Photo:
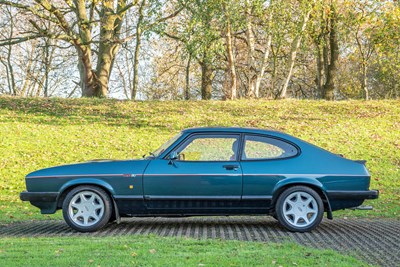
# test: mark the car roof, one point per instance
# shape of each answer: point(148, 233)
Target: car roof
point(233, 130)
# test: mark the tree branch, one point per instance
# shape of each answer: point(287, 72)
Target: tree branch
point(62, 22)
point(18, 40)
point(124, 8)
point(165, 18)
point(30, 9)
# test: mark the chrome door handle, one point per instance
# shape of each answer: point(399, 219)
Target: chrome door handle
point(231, 167)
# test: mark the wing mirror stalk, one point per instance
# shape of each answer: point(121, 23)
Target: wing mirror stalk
point(173, 156)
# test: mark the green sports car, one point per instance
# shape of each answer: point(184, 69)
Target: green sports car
point(207, 171)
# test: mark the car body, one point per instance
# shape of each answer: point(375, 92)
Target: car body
point(207, 171)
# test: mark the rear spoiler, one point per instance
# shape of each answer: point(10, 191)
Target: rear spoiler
point(363, 162)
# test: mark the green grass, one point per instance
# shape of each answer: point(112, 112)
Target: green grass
point(157, 251)
point(38, 133)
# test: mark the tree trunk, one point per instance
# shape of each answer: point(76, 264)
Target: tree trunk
point(187, 79)
point(48, 59)
point(263, 66)
point(104, 67)
point(86, 73)
point(136, 68)
point(319, 80)
point(231, 61)
point(9, 66)
point(364, 56)
point(10, 76)
point(274, 73)
point(107, 48)
point(27, 71)
point(251, 69)
point(206, 80)
point(329, 87)
point(264, 62)
point(137, 51)
point(293, 53)
point(46, 70)
point(364, 83)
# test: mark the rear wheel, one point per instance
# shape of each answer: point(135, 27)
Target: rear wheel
point(299, 209)
point(87, 208)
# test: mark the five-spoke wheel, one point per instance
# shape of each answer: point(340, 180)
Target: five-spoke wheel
point(299, 209)
point(87, 208)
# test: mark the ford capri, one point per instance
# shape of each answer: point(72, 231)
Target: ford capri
point(206, 172)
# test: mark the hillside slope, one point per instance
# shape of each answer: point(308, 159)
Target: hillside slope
point(38, 133)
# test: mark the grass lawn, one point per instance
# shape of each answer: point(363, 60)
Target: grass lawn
point(157, 251)
point(38, 133)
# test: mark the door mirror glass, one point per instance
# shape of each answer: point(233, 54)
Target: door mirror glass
point(173, 155)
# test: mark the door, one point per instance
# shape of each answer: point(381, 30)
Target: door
point(206, 175)
point(264, 161)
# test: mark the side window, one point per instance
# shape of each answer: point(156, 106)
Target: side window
point(260, 147)
point(209, 148)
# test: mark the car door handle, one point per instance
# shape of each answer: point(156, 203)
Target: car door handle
point(231, 167)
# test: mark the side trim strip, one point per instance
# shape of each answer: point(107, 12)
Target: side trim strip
point(151, 197)
point(303, 174)
point(192, 174)
point(128, 175)
point(255, 174)
point(128, 197)
point(256, 197)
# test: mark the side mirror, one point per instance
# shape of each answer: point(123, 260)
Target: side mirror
point(173, 156)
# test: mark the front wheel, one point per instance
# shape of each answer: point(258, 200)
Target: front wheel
point(299, 209)
point(87, 208)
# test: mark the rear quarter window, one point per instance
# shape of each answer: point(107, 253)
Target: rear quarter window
point(262, 147)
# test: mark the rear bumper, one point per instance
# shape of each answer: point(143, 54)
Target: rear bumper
point(352, 195)
point(38, 196)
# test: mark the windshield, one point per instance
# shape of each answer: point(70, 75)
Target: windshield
point(162, 148)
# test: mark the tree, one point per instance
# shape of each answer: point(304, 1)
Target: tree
point(92, 27)
point(10, 77)
point(327, 46)
point(149, 17)
point(307, 9)
point(366, 21)
point(201, 38)
point(232, 90)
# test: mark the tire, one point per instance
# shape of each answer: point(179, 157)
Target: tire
point(299, 209)
point(87, 208)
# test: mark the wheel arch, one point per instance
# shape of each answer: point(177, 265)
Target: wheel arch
point(311, 183)
point(67, 187)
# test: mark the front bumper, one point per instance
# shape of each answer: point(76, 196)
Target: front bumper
point(38, 196)
point(352, 195)
point(45, 201)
